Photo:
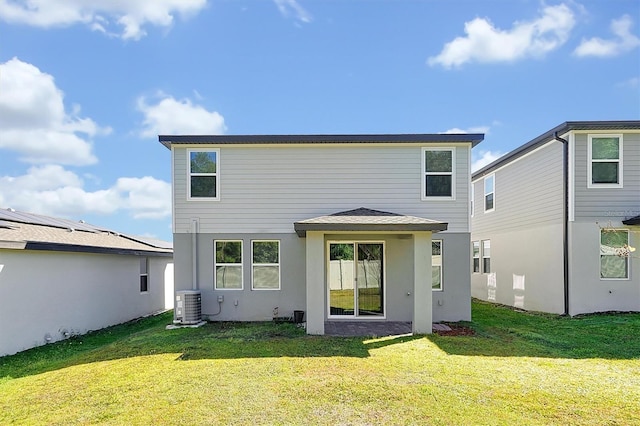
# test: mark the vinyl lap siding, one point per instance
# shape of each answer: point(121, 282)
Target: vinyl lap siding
point(267, 188)
point(614, 203)
point(528, 193)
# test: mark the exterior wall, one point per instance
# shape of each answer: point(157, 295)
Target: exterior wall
point(73, 293)
point(588, 292)
point(268, 188)
point(525, 231)
point(604, 204)
point(451, 304)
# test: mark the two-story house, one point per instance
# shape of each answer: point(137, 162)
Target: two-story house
point(554, 222)
point(342, 227)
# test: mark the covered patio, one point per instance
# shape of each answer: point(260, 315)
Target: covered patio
point(344, 228)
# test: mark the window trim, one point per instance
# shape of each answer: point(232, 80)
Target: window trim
point(216, 264)
point(483, 257)
point(441, 265)
point(423, 177)
point(473, 257)
point(144, 274)
point(216, 174)
point(253, 265)
point(493, 192)
point(628, 277)
point(590, 161)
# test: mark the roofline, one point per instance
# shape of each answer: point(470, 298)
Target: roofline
point(76, 248)
point(301, 228)
point(548, 136)
point(168, 140)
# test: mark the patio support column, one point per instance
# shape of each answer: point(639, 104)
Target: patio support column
point(422, 298)
point(315, 282)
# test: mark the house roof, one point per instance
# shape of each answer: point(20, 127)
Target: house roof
point(417, 138)
point(559, 130)
point(368, 220)
point(28, 231)
point(632, 221)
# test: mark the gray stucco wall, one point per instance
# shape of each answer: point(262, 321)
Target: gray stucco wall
point(451, 304)
point(590, 293)
point(74, 293)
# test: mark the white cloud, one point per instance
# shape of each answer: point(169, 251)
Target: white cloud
point(172, 116)
point(622, 43)
point(479, 159)
point(485, 43)
point(100, 15)
point(477, 129)
point(54, 191)
point(287, 7)
point(34, 122)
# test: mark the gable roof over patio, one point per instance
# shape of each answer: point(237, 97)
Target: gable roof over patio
point(367, 220)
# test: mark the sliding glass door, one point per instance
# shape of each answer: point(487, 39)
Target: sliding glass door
point(356, 276)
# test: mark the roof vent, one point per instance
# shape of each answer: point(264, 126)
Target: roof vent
point(70, 229)
point(11, 210)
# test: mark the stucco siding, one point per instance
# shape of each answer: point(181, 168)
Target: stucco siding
point(72, 293)
point(526, 269)
point(452, 304)
point(264, 189)
point(589, 293)
point(608, 203)
point(528, 193)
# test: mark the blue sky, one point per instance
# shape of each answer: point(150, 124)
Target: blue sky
point(87, 85)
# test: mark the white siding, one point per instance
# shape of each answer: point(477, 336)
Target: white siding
point(612, 203)
point(264, 189)
point(528, 193)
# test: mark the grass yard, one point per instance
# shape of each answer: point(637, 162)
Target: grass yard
point(518, 368)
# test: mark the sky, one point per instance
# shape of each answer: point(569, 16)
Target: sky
point(86, 86)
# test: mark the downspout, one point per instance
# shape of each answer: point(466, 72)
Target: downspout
point(194, 253)
point(565, 212)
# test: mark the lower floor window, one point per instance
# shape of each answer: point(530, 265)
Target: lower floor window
point(486, 256)
point(228, 265)
point(614, 258)
point(436, 265)
point(265, 265)
point(144, 275)
point(476, 256)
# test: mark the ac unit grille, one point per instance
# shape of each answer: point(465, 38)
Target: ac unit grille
point(188, 307)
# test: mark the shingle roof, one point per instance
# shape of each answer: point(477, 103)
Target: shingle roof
point(368, 220)
point(168, 140)
point(550, 135)
point(20, 230)
point(632, 221)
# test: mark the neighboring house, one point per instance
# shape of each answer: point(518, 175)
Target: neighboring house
point(60, 278)
point(552, 218)
point(338, 226)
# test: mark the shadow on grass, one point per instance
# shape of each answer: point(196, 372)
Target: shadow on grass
point(216, 340)
point(499, 332)
point(502, 331)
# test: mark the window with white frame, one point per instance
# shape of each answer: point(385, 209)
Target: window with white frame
point(476, 256)
point(265, 264)
point(436, 265)
point(489, 193)
point(144, 275)
point(614, 259)
point(486, 256)
point(228, 265)
point(605, 161)
point(439, 173)
point(203, 170)
point(473, 194)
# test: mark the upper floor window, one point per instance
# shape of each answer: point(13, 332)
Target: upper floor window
point(439, 173)
point(436, 265)
point(228, 265)
point(473, 195)
point(265, 259)
point(489, 193)
point(605, 161)
point(204, 166)
point(614, 255)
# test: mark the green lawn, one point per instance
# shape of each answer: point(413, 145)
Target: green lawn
point(519, 368)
